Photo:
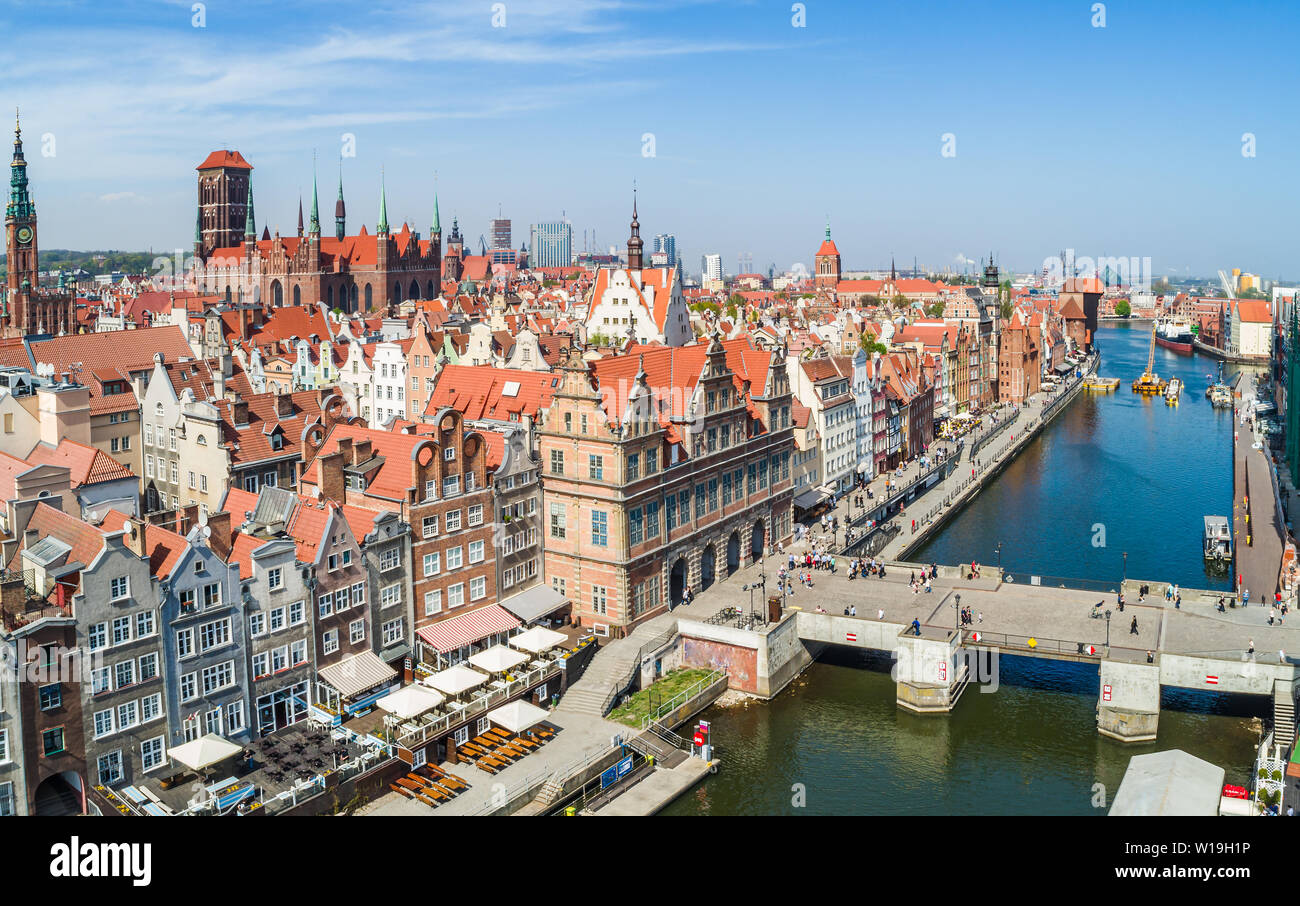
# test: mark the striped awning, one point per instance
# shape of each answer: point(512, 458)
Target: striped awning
point(468, 628)
point(356, 674)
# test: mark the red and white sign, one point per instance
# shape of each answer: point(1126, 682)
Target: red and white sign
point(1091, 649)
point(1211, 680)
point(943, 671)
point(850, 636)
point(974, 636)
point(1105, 693)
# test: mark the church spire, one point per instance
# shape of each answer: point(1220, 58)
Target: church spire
point(382, 228)
point(250, 227)
point(634, 241)
point(828, 227)
point(436, 229)
point(20, 204)
point(300, 213)
point(340, 210)
point(314, 226)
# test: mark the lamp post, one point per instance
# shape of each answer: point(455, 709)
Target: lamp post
point(956, 605)
point(1124, 580)
point(1108, 630)
point(999, 561)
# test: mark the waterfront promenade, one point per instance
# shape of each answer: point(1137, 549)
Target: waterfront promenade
point(1256, 509)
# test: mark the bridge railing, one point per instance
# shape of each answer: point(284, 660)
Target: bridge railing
point(1104, 586)
point(980, 638)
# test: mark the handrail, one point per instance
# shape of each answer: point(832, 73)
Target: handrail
point(634, 668)
point(697, 688)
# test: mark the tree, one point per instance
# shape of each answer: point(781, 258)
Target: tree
point(1007, 309)
point(1123, 309)
point(868, 342)
point(935, 309)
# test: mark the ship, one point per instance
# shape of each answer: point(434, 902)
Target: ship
point(1172, 391)
point(1219, 394)
point(1175, 334)
point(1150, 382)
point(1217, 540)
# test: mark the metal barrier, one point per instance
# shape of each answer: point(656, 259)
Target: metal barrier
point(1106, 586)
point(1095, 650)
point(634, 670)
point(699, 687)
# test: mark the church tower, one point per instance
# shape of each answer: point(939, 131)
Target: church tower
point(223, 200)
point(20, 228)
point(340, 212)
point(634, 241)
point(826, 262)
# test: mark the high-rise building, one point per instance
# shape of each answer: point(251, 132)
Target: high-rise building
point(552, 244)
point(666, 243)
point(501, 233)
point(712, 267)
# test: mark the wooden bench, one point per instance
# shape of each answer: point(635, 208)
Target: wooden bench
point(401, 789)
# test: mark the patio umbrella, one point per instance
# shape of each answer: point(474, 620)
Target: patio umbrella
point(516, 716)
point(204, 752)
point(536, 640)
point(410, 701)
point(497, 659)
point(455, 680)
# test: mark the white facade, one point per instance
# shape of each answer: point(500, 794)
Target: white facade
point(389, 378)
point(624, 300)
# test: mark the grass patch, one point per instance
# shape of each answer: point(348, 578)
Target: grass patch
point(637, 708)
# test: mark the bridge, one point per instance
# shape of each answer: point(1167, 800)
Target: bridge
point(1194, 647)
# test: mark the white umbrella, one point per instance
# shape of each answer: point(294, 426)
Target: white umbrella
point(455, 680)
point(410, 701)
point(497, 659)
point(536, 640)
point(204, 752)
point(516, 716)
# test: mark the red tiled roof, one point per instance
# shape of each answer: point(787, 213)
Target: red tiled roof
point(85, 540)
point(111, 356)
point(162, 546)
point(224, 159)
point(87, 465)
point(478, 391)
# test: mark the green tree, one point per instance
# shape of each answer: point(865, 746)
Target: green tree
point(1123, 309)
point(935, 309)
point(867, 341)
point(1006, 309)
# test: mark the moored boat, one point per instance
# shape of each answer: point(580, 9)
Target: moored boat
point(1175, 334)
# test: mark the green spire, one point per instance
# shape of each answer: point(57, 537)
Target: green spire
point(20, 204)
point(315, 204)
point(250, 227)
point(828, 228)
point(383, 206)
point(436, 229)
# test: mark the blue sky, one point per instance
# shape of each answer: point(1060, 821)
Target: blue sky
point(1122, 140)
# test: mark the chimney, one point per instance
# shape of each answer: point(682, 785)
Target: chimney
point(134, 537)
point(13, 597)
point(219, 539)
point(239, 411)
point(284, 405)
point(329, 475)
point(361, 450)
point(64, 412)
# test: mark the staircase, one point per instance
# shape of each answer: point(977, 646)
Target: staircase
point(1283, 713)
point(549, 792)
point(611, 667)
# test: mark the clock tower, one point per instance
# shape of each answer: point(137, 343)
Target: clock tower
point(20, 225)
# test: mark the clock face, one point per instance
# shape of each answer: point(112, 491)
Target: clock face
point(24, 234)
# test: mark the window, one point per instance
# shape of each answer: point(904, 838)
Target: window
point(261, 665)
point(325, 604)
point(212, 594)
point(393, 632)
point(357, 631)
point(331, 641)
point(144, 624)
point(635, 526)
point(390, 559)
point(218, 676)
point(189, 687)
point(103, 723)
point(151, 707)
point(450, 486)
point(119, 588)
point(148, 666)
point(432, 602)
point(633, 466)
point(298, 652)
point(151, 753)
point(599, 528)
point(214, 634)
point(121, 630)
point(598, 599)
point(51, 696)
point(358, 594)
point(477, 588)
point(297, 613)
point(275, 578)
point(390, 595)
point(128, 715)
point(187, 598)
point(431, 564)
point(430, 526)
point(557, 520)
point(475, 514)
point(110, 768)
point(557, 462)
point(455, 596)
point(449, 454)
point(596, 467)
point(476, 552)
point(257, 624)
point(453, 521)
point(124, 674)
point(52, 741)
point(97, 636)
point(652, 519)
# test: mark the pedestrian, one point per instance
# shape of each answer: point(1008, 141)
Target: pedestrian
point(1245, 596)
point(1281, 656)
point(1271, 616)
point(1178, 602)
point(1250, 650)
point(880, 614)
point(1133, 629)
point(1151, 658)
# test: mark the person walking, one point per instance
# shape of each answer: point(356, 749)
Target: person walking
point(1250, 649)
point(1133, 629)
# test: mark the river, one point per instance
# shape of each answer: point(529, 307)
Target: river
point(1113, 473)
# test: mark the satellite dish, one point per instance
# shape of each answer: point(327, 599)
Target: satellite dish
point(207, 531)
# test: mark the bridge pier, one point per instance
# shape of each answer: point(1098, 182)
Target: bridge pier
point(926, 675)
point(1128, 706)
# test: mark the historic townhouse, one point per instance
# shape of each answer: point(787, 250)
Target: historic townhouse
point(663, 469)
point(825, 385)
point(202, 620)
point(436, 477)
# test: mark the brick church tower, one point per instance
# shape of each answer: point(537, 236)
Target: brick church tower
point(223, 197)
point(28, 309)
point(826, 262)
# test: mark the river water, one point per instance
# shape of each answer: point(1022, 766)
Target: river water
point(836, 743)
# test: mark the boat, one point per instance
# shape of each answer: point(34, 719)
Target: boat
point(1100, 384)
point(1175, 334)
point(1217, 541)
point(1150, 382)
point(1172, 391)
point(1219, 394)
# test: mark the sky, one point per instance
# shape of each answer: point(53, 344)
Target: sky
point(745, 126)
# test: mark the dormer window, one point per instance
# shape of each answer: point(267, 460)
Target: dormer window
point(277, 441)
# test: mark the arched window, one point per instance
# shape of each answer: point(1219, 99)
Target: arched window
point(329, 297)
point(297, 295)
point(369, 296)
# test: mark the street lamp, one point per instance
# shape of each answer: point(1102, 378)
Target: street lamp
point(999, 561)
point(956, 605)
point(1108, 630)
point(1125, 577)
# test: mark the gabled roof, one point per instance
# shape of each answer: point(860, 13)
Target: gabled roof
point(85, 540)
point(232, 159)
point(86, 465)
point(485, 392)
point(163, 547)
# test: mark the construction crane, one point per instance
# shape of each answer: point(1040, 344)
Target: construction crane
point(1227, 285)
point(1150, 382)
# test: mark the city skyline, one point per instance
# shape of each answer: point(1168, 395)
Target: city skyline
point(122, 150)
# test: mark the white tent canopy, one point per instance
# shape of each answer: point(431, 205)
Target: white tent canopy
point(205, 751)
point(536, 640)
point(497, 659)
point(455, 680)
point(410, 701)
point(516, 716)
